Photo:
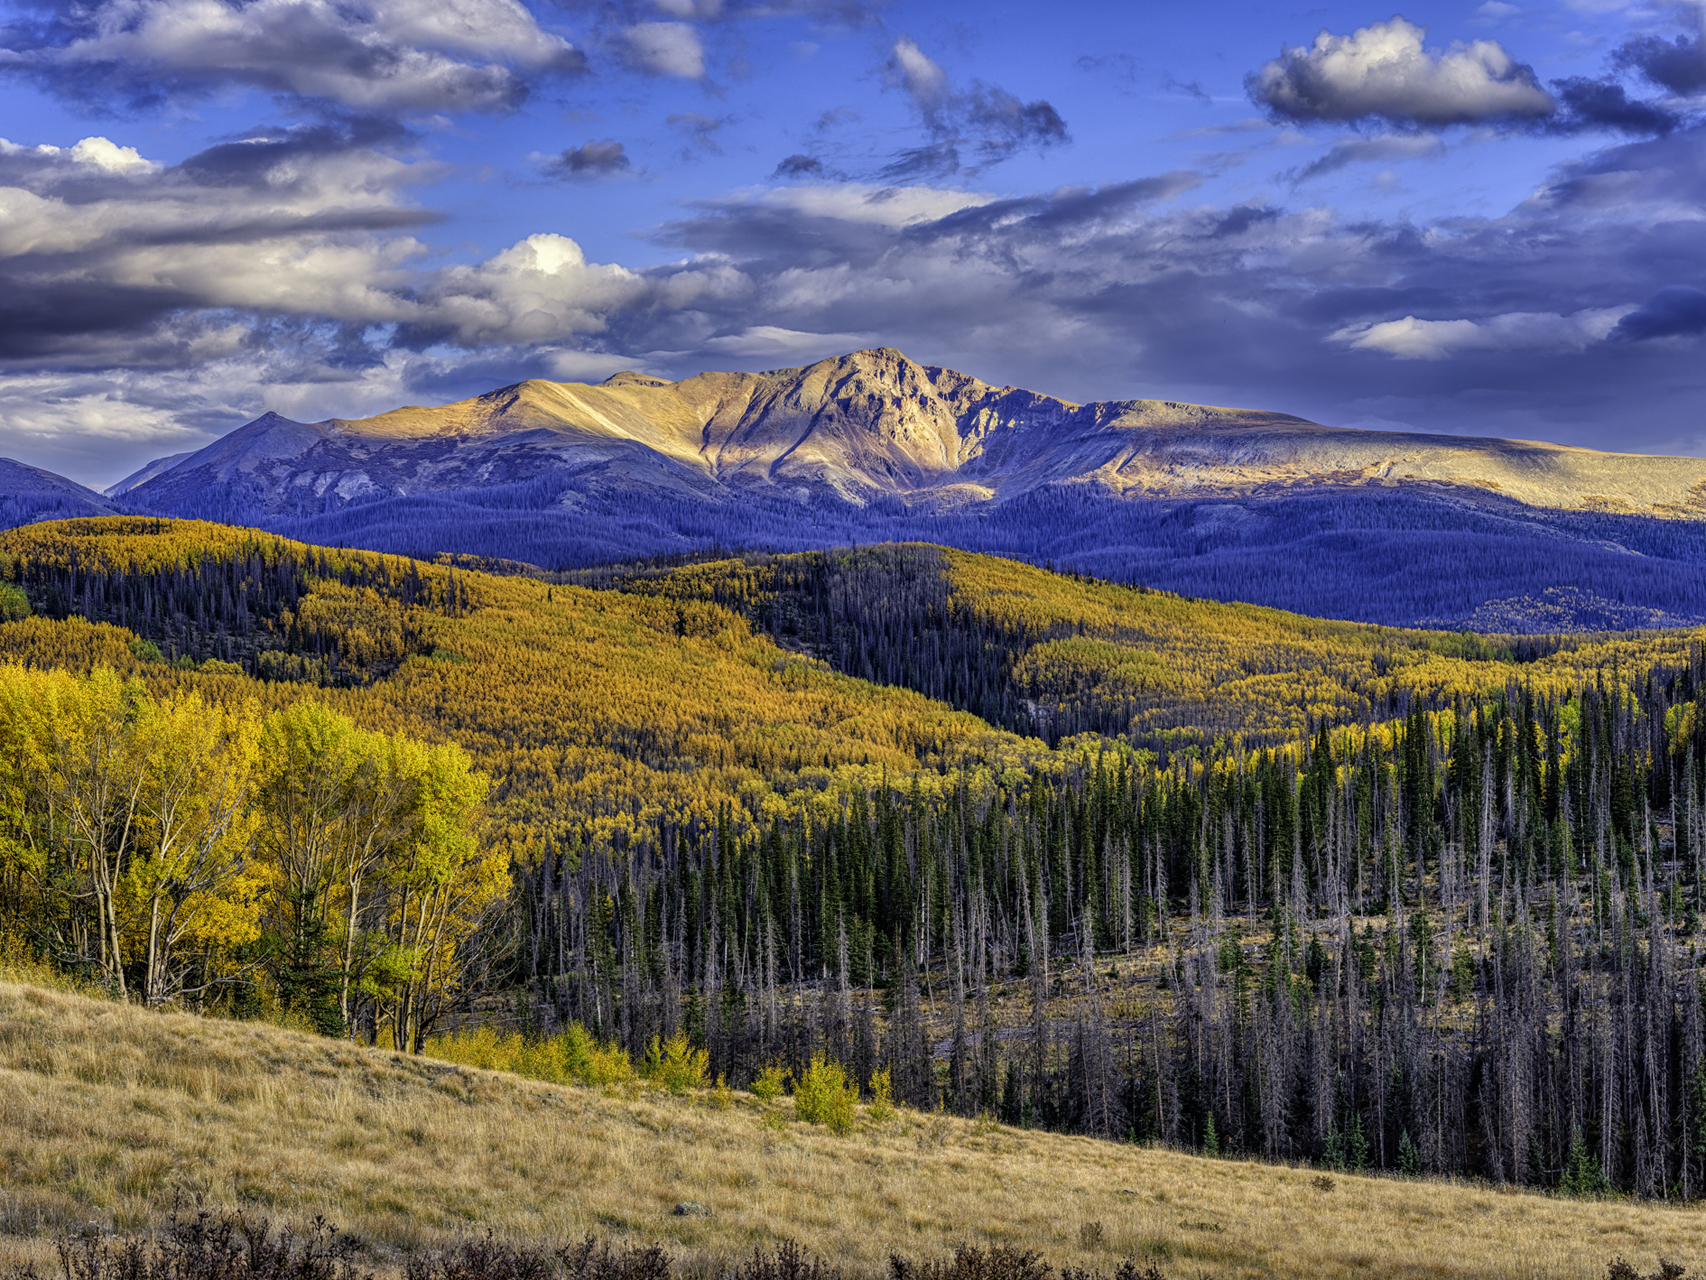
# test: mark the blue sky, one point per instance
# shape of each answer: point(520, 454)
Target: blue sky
point(1482, 218)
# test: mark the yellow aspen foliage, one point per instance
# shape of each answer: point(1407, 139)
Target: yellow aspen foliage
point(159, 839)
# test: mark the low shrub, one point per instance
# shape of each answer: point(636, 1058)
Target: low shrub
point(826, 1096)
point(224, 1246)
point(882, 1097)
point(574, 1057)
point(676, 1064)
point(233, 1246)
point(772, 1082)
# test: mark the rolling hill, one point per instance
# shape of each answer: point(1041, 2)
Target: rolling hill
point(1255, 890)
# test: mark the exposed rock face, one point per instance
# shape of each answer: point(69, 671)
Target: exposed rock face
point(867, 424)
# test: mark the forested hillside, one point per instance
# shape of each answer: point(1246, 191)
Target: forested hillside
point(1406, 557)
point(1308, 890)
point(1059, 655)
point(1462, 943)
point(599, 718)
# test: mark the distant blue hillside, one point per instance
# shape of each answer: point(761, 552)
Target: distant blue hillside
point(28, 494)
point(1393, 556)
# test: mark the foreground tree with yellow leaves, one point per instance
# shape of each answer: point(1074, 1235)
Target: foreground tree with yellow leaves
point(177, 849)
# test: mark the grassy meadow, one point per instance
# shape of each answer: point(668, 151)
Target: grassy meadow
point(110, 1113)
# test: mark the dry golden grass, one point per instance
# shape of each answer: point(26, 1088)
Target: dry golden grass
point(108, 1112)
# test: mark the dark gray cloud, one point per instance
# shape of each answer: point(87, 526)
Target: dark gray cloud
point(263, 156)
point(598, 158)
point(1674, 311)
point(1375, 150)
point(936, 160)
point(968, 130)
point(1678, 64)
point(1002, 124)
point(1189, 88)
point(700, 128)
point(800, 166)
point(403, 55)
point(1587, 104)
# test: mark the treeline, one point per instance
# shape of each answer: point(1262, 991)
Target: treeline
point(1460, 943)
point(179, 851)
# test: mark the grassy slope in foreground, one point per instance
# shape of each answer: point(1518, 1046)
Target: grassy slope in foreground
point(107, 1112)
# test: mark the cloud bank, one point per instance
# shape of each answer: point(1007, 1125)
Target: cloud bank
point(369, 55)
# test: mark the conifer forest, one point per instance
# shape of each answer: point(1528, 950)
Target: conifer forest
point(1463, 942)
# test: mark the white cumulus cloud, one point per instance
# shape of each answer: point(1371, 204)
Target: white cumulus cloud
point(106, 155)
point(1384, 71)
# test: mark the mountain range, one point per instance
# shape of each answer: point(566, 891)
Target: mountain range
point(868, 425)
point(1233, 503)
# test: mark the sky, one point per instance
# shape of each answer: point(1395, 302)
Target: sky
point(1481, 218)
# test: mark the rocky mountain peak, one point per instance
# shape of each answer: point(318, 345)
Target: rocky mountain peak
point(868, 424)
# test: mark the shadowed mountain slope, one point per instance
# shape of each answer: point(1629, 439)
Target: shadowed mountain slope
point(142, 476)
point(28, 493)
